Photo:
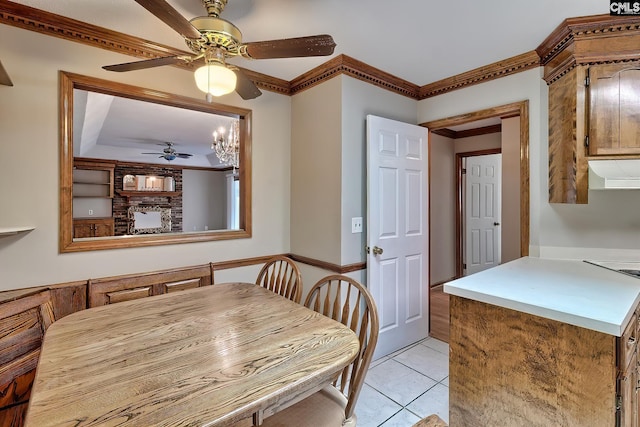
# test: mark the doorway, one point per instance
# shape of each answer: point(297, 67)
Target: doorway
point(452, 256)
point(480, 192)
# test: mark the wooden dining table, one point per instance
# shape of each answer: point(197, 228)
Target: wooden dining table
point(209, 356)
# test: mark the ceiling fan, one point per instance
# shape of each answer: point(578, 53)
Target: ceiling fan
point(170, 153)
point(213, 40)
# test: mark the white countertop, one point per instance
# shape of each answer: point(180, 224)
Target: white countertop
point(568, 291)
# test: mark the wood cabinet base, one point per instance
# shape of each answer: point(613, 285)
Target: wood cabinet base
point(94, 227)
point(509, 368)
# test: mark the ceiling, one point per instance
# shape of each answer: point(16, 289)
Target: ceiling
point(119, 128)
point(417, 40)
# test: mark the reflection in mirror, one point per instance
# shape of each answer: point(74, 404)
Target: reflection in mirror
point(149, 219)
point(131, 155)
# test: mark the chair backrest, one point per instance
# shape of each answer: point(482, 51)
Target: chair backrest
point(347, 301)
point(282, 276)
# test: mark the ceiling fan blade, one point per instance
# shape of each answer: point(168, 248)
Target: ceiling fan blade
point(246, 88)
point(167, 14)
point(183, 155)
point(4, 77)
point(147, 63)
point(321, 45)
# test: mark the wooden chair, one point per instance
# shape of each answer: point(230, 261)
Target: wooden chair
point(431, 421)
point(282, 276)
point(347, 301)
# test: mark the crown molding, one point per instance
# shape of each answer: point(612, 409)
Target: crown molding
point(589, 40)
point(51, 24)
point(343, 64)
point(513, 65)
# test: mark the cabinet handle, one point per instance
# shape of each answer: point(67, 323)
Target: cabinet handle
point(631, 341)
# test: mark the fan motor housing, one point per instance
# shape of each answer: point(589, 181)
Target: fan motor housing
point(215, 32)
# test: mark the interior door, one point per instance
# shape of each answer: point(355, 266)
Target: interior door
point(397, 231)
point(482, 212)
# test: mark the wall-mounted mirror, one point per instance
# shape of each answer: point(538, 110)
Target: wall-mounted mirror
point(127, 152)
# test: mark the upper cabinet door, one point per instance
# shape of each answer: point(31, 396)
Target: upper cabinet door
point(614, 116)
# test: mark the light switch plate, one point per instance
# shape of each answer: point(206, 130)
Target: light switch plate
point(356, 224)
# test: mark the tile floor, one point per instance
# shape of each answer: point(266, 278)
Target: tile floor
point(406, 386)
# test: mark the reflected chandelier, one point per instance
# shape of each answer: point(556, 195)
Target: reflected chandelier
point(227, 149)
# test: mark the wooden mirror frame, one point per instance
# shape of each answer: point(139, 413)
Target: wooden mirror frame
point(69, 82)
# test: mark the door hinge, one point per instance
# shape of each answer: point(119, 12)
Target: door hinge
point(586, 141)
point(464, 170)
point(587, 79)
point(464, 266)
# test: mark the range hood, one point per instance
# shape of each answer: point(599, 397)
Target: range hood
point(614, 174)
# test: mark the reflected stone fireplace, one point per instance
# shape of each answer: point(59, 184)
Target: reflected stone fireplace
point(149, 220)
point(121, 204)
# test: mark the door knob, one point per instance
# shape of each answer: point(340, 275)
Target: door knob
point(496, 223)
point(377, 250)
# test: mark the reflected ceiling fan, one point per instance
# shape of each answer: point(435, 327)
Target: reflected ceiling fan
point(170, 153)
point(213, 40)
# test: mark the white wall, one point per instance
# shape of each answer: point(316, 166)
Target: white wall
point(328, 171)
point(479, 142)
point(29, 167)
point(527, 85)
point(204, 200)
point(360, 99)
point(608, 227)
point(443, 197)
point(442, 212)
point(316, 171)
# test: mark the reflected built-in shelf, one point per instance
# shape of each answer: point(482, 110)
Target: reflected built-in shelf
point(9, 231)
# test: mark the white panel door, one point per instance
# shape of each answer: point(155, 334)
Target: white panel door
point(397, 231)
point(482, 212)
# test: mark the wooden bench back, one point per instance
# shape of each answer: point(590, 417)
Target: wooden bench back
point(22, 328)
point(115, 289)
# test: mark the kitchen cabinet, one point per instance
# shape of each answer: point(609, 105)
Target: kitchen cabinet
point(627, 400)
point(535, 342)
point(568, 173)
point(594, 112)
point(93, 227)
point(613, 92)
point(592, 67)
point(509, 368)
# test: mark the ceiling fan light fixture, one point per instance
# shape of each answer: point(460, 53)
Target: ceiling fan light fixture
point(216, 79)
